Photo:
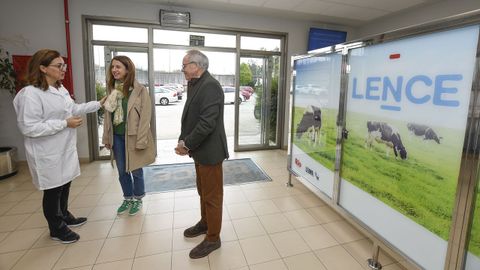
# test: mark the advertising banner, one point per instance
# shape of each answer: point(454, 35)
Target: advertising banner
point(406, 117)
point(315, 110)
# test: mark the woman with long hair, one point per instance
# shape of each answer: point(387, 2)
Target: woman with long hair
point(127, 131)
point(48, 117)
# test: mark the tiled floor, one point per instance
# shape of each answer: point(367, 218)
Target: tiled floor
point(265, 226)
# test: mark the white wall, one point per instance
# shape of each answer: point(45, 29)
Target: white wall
point(417, 15)
point(29, 25)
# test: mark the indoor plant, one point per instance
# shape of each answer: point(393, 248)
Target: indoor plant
point(7, 73)
point(8, 154)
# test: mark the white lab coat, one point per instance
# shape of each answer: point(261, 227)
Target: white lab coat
point(50, 146)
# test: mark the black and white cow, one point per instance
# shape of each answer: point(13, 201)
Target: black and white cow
point(382, 132)
point(423, 130)
point(311, 123)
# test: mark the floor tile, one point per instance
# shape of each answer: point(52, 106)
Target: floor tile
point(337, 258)
point(309, 200)
point(186, 203)
point(343, 232)
point(120, 248)
point(234, 196)
point(103, 212)
point(227, 232)
point(305, 261)
point(275, 223)
point(228, 256)
point(153, 262)
point(182, 243)
point(276, 264)
point(181, 261)
point(25, 207)
point(317, 237)
point(20, 240)
point(324, 214)
point(264, 207)
point(240, 210)
point(186, 218)
point(117, 265)
point(35, 220)
point(158, 222)
point(259, 249)
point(362, 250)
point(94, 230)
point(289, 243)
point(40, 258)
point(161, 206)
point(10, 223)
point(248, 227)
point(79, 254)
point(4, 206)
point(126, 226)
point(300, 218)
point(154, 243)
point(8, 260)
point(286, 204)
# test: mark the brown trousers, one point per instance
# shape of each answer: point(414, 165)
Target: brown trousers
point(210, 189)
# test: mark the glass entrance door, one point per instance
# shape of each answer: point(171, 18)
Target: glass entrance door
point(102, 58)
point(257, 117)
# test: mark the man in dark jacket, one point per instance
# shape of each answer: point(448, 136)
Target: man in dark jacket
point(203, 138)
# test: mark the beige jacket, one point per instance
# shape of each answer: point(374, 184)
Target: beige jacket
point(140, 148)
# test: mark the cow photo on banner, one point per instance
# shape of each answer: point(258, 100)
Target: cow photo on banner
point(406, 115)
point(315, 110)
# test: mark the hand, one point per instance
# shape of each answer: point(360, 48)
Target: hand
point(108, 146)
point(181, 149)
point(102, 101)
point(74, 121)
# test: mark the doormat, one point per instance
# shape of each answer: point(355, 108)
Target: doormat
point(168, 177)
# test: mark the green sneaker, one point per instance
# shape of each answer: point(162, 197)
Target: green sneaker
point(124, 207)
point(136, 206)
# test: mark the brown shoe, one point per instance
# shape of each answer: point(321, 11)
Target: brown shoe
point(204, 248)
point(195, 230)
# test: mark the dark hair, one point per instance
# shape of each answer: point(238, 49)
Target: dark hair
point(130, 77)
point(34, 75)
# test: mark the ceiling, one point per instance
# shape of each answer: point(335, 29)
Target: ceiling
point(345, 12)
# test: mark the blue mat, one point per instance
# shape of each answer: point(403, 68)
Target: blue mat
point(168, 177)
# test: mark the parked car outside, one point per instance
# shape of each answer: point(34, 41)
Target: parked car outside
point(246, 92)
point(178, 87)
point(165, 95)
point(229, 93)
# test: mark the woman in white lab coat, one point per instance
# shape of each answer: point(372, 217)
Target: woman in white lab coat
point(48, 117)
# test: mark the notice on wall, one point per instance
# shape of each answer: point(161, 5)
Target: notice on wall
point(317, 91)
point(406, 116)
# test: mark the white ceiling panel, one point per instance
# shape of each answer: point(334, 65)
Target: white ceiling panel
point(345, 12)
point(389, 5)
point(313, 6)
point(356, 13)
point(282, 4)
point(256, 3)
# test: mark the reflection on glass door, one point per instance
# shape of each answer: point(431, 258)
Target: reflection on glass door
point(257, 124)
point(102, 57)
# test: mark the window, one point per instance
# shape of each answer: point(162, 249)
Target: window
point(183, 38)
point(120, 33)
point(260, 44)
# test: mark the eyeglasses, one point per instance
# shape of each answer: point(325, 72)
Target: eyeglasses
point(185, 65)
point(60, 66)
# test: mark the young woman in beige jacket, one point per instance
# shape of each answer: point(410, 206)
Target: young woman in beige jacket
point(127, 131)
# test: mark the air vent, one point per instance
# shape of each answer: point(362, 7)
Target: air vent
point(175, 19)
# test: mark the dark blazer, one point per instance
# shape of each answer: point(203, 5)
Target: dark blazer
point(202, 121)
